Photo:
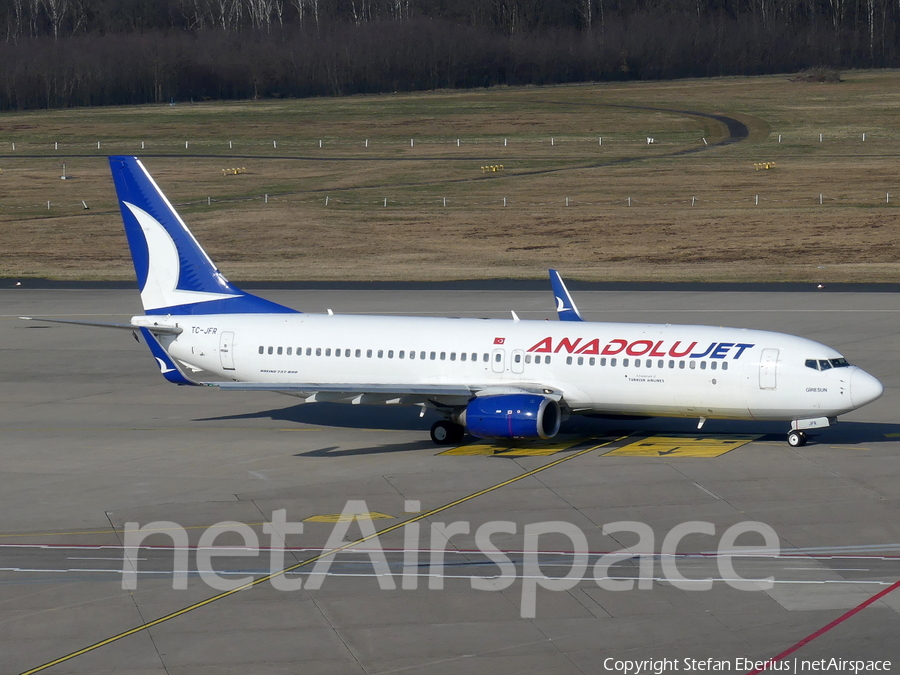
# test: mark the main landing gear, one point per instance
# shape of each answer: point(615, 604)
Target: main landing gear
point(445, 432)
point(796, 438)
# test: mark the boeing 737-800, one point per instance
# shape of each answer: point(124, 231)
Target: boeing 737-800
point(499, 379)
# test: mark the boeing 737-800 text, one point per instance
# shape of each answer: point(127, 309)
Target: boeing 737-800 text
point(493, 378)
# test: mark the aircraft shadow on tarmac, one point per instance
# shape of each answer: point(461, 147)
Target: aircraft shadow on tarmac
point(390, 418)
point(400, 418)
point(335, 451)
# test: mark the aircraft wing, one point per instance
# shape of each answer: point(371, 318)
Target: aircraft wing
point(443, 394)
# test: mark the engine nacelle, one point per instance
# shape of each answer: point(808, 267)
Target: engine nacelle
point(512, 416)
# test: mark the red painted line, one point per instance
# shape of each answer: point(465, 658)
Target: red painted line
point(824, 629)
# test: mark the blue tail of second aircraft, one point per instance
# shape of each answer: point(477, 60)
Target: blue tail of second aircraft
point(565, 306)
point(174, 273)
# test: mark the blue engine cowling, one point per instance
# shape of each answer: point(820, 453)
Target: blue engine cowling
point(512, 416)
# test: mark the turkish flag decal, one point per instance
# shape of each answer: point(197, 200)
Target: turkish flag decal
point(499, 341)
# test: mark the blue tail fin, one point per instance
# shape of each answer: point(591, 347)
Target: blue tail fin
point(174, 273)
point(565, 306)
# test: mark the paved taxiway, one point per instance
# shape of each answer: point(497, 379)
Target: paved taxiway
point(91, 438)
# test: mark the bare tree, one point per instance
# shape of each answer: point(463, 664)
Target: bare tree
point(263, 11)
point(225, 14)
point(870, 20)
point(14, 25)
point(837, 12)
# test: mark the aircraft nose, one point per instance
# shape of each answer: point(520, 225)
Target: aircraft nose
point(864, 388)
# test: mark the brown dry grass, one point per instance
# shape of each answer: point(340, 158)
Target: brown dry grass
point(852, 236)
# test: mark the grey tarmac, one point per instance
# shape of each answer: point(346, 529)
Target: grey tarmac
point(91, 438)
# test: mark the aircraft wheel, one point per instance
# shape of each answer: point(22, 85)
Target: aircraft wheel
point(796, 439)
point(445, 432)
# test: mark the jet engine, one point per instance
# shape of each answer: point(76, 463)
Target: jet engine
point(512, 416)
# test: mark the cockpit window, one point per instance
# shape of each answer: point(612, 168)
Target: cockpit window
point(826, 364)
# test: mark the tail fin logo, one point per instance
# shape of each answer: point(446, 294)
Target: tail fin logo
point(164, 267)
point(162, 366)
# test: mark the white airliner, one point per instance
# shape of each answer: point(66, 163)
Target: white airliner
point(493, 378)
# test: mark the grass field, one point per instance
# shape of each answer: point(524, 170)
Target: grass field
point(821, 214)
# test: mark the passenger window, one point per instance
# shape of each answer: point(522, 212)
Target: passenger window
point(288, 351)
point(433, 355)
point(498, 357)
point(318, 351)
point(671, 364)
point(262, 350)
point(568, 360)
point(724, 365)
point(474, 356)
point(693, 365)
point(592, 361)
point(347, 353)
point(358, 353)
point(328, 351)
point(337, 352)
point(309, 351)
point(462, 356)
point(812, 363)
point(412, 354)
point(603, 361)
point(299, 351)
point(661, 364)
point(486, 358)
point(712, 365)
point(612, 363)
point(703, 365)
point(443, 356)
point(390, 353)
point(453, 356)
point(580, 360)
point(681, 364)
point(625, 362)
point(537, 359)
point(546, 359)
point(517, 358)
point(637, 363)
point(271, 350)
point(380, 353)
point(368, 353)
point(402, 354)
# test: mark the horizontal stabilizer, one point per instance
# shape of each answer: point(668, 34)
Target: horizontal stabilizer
point(158, 330)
